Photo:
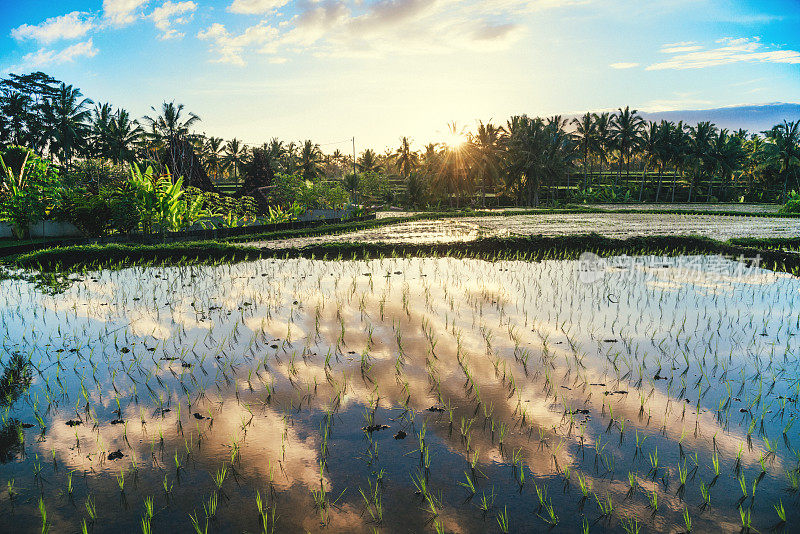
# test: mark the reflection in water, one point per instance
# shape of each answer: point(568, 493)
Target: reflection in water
point(15, 380)
point(401, 394)
point(619, 225)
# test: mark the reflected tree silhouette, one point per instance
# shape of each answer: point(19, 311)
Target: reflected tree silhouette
point(16, 379)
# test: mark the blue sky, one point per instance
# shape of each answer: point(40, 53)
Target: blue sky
point(381, 69)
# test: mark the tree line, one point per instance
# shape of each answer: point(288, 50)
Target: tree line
point(526, 161)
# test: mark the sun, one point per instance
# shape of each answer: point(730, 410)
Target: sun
point(455, 140)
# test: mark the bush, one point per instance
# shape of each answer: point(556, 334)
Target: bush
point(233, 210)
point(94, 174)
point(90, 213)
point(29, 188)
point(290, 188)
point(125, 216)
point(792, 203)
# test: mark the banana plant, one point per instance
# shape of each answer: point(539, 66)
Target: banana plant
point(162, 201)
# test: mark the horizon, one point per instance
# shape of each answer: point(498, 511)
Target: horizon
point(302, 68)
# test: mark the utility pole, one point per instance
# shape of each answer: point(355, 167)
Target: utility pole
point(355, 176)
point(354, 156)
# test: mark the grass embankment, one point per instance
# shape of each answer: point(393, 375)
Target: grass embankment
point(344, 227)
point(531, 248)
point(339, 228)
point(772, 250)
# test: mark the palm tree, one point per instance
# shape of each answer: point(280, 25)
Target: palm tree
point(214, 155)
point(586, 133)
point(310, 160)
point(368, 162)
point(626, 127)
point(101, 121)
point(486, 154)
point(700, 143)
point(405, 159)
point(66, 117)
point(756, 160)
point(604, 138)
point(538, 150)
point(649, 147)
point(454, 167)
point(235, 154)
point(678, 152)
point(784, 150)
point(726, 157)
point(170, 123)
point(276, 149)
point(664, 150)
point(289, 158)
point(338, 161)
point(123, 137)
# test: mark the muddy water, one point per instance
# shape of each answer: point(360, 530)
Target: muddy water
point(266, 374)
point(619, 225)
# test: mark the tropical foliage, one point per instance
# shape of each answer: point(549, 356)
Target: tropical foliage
point(67, 156)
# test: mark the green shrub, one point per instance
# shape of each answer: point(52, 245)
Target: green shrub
point(94, 174)
point(90, 213)
point(29, 188)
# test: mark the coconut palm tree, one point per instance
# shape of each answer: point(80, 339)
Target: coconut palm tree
point(626, 126)
point(664, 150)
point(453, 173)
point(699, 146)
point(783, 149)
point(678, 152)
point(726, 156)
point(289, 158)
point(214, 153)
point(235, 154)
point(368, 162)
point(586, 134)
point(100, 122)
point(538, 151)
point(310, 160)
point(604, 144)
point(486, 155)
point(756, 161)
point(123, 137)
point(66, 116)
point(171, 122)
point(649, 149)
point(405, 159)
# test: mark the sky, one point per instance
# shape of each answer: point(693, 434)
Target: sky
point(377, 70)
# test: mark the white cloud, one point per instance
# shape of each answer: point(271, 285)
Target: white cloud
point(70, 26)
point(749, 50)
point(623, 65)
point(352, 28)
point(228, 48)
point(677, 48)
point(252, 7)
point(681, 102)
point(170, 13)
point(43, 57)
point(122, 12)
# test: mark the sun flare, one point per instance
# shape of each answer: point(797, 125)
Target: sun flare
point(455, 140)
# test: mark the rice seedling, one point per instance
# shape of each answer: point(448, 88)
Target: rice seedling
point(502, 520)
point(261, 369)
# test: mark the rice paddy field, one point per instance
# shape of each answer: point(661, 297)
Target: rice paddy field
point(649, 394)
point(610, 224)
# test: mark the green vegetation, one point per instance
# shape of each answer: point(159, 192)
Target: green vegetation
point(79, 165)
point(533, 248)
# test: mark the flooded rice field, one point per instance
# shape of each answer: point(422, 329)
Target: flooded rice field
point(618, 225)
point(403, 395)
